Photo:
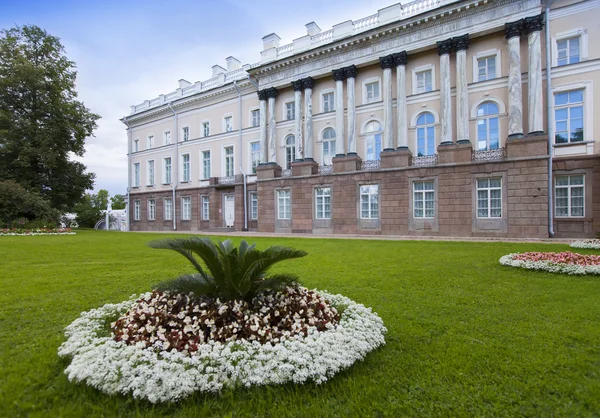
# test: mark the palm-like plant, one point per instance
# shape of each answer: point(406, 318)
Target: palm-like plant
point(231, 273)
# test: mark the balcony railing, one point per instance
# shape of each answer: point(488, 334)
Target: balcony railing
point(325, 169)
point(369, 165)
point(286, 173)
point(489, 155)
point(226, 180)
point(425, 160)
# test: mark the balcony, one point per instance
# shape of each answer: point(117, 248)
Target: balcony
point(370, 165)
point(425, 160)
point(325, 169)
point(489, 155)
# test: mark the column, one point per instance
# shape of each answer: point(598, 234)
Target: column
point(262, 100)
point(308, 84)
point(533, 27)
point(387, 63)
point(297, 86)
point(271, 95)
point(513, 32)
point(339, 76)
point(350, 91)
point(461, 43)
point(444, 49)
point(401, 59)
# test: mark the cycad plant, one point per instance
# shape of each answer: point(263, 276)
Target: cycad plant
point(230, 272)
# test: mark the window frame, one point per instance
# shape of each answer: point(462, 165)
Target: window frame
point(254, 156)
point(489, 198)
point(497, 53)
point(423, 194)
point(203, 166)
point(169, 171)
point(183, 168)
point(150, 141)
point(167, 138)
point(370, 202)
point(151, 212)
point(426, 136)
point(225, 168)
point(136, 145)
point(168, 215)
point(570, 197)
point(150, 173)
point(420, 69)
point(328, 158)
point(568, 107)
point(321, 202)
point(487, 119)
point(365, 84)
point(367, 135)
point(253, 198)
point(286, 110)
point(185, 133)
point(205, 128)
point(137, 174)
point(322, 95)
point(287, 204)
point(226, 117)
point(205, 207)
point(185, 199)
point(251, 118)
point(290, 151)
point(573, 33)
point(137, 210)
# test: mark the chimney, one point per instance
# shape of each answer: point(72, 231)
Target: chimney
point(312, 29)
point(217, 69)
point(233, 63)
point(184, 83)
point(271, 41)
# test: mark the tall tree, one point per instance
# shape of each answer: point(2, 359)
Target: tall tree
point(41, 121)
point(118, 202)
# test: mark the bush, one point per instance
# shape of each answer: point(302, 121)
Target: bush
point(18, 204)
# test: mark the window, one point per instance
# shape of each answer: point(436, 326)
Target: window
point(424, 81)
point(373, 140)
point(151, 209)
point(205, 208)
point(425, 134)
point(150, 181)
point(137, 210)
point(168, 208)
point(255, 118)
point(205, 165)
point(569, 192)
point(205, 129)
point(186, 208)
point(371, 92)
point(167, 138)
point(290, 151)
point(369, 202)
point(568, 51)
point(486, 68)
point(136, 145)
point(423, 199)
point(229, 162)
point(136, 175)
point(186, 167)
point(167, 170)
point(489, 198)
point(328, 102)
point(323, 202)
point(228, 121)
point(253, 205)
point(487, 126)
point(254, 155)
point(150, 141)
point(328, 145)
point(284, 207)
point(290, 111)
point(186, 133)
point(568, 116)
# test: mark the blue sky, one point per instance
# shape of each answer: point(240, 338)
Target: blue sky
point(130, 51)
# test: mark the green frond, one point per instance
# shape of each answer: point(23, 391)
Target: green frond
point(189, 283)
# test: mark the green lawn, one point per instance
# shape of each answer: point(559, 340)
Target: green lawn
point(466, 336)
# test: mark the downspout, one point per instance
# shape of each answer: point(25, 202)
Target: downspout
point(128, 205)
point(175, 164)
point(549, 119)
point(241, 155)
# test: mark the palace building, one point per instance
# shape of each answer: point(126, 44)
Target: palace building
point(431, 118)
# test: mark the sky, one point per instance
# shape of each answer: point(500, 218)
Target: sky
point(128, 51)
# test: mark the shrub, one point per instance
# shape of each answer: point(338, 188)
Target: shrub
point(17, 204)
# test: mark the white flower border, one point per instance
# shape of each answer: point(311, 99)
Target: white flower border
point(587, 243)
point(549, 266)
point(114, 367)
point(36, 234)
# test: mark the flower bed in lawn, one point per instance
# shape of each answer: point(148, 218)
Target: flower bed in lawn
point(36, 231)
point(564, 262)
point(587, 243)
point(163, 347)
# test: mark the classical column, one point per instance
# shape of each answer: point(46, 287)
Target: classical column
point(444, 50)
point(262, 100)
point(297, 86)
point(308, 84)
point(513, 32)
point(387, 63)
point(271, 95)
point(533, 27)
point(350, 91)
point(339, 76)
point(461, 44)
point(401, 59)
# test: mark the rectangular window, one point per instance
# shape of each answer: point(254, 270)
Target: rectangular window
point(254, 155)
point(168, 138)
point(186, 208)
point(568, 116)
point(255, 118)
point(228, 123)
point(136, 175)
point(290, 111)
point(205, 208)
point(369, 202)
point(568, 50)
point(328, 103)
point(323, 202)
point(489, 198)
point(167, 170)
point(136, 145)
point(186, 133)
point(151, 209)
point(423, 199)
point(137, 210)
point(486, 68)
point(150, 181)
point(168, 208)
point(205, 165)
point(253, 205)
point(569, 192)
point(229, 162)
point(185, 175)
point(424, 81)
point(150, 141)
point(284, 207)
point(372, 92)
point(205, 129)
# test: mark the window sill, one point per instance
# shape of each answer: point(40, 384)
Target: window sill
point(572, 219)
point(572, 144)
point(183, 182)
point(166, 184)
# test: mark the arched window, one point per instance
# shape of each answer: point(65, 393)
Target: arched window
point(290, 151)
point(487, 126)
point(425, 134)
point(373, 140)
point(328, 145)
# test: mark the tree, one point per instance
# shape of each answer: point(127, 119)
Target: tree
point(118, 202)
point(89, 209)
point(41, 121)
point(17, 203)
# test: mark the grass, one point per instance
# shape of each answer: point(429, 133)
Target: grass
point(466, 336)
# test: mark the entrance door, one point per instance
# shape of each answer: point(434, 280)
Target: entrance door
point(229, 210)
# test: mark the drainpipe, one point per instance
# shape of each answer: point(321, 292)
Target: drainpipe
point(128, 205)
point(549, 120)
point(241, 155)
point(175, 164)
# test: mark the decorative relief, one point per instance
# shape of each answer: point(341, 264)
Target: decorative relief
point(308, 82)
point(461, 42)
point(533, 24)
point(445, 47)
point(272, 92)
point(370, 165)
point(400, 58)
point(227, 180)
point(489, 155)
point(425, 160)
point(512, 29)
point(339, 75)
point(286, 173)
point(351, 71)
point(325, 169)
point(262, 95)
point(387, 62)
point(297, 85)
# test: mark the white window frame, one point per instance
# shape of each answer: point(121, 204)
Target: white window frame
point(487, 119)
point(367, 82)
point(588, 105)
point(421, 195)
point(203, 164)
point(292, 104)
point(290, 151)
point(253, 209)
point(367, 136)
point(136, 145)
point(137, 210)
point(322, 202)
point(167, 138)
point(150, 141)
point(151, 209)
point(322, 94)
point(573, 33)
point(417, 127)
point(568, 106)
point(169, 172)
point(137, 175)
point(225, 118)
point(489, 197)
point(252, 154)
point(420, 69)
point(224, 160)
point(486, 54)
point(183, 135)
point(370, 202)
point(205, 207)
point(569, 188)
point(150, 173)
point(205, 128)
point(284, 197)
point(189, 170)
point(251, 117)
point(327, 160)
point(168, 209)
point(186, 212)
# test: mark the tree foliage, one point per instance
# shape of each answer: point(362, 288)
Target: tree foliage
point(41, 121)
point(17, 204)
point(89, 209)
point(118, 202)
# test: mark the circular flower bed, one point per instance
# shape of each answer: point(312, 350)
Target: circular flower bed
point(587, 243)
point(163, 347)
point(565, 262)
point(36, 231)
